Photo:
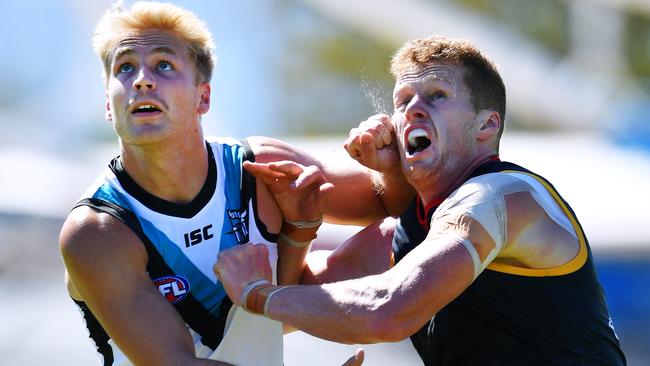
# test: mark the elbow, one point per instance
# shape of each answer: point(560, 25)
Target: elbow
point(387, 324)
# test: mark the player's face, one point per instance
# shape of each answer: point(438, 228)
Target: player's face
point(433, 122)
point(152, 92)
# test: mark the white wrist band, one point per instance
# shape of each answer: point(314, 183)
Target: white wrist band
point(247, 290)
point(268, 299)
point(305, 224)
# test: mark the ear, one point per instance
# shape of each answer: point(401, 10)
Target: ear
point(107, 112)
point(490, 123)
point(204, 101)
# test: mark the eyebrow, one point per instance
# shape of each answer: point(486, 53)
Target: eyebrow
point(127, 50)
point(425, 77)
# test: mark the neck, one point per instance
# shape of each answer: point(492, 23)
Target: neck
point(448, 183)
point(171, 170)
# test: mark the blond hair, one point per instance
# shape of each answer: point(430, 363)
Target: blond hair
point(480, 73)
point(118, 22)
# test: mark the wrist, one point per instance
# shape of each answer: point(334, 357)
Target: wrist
point(257, 296)
point(300, 224)
point(252, 287)
point(300, 232)
point(283, 239)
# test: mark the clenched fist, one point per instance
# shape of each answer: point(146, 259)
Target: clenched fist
point(374, 145)
point(238, 266)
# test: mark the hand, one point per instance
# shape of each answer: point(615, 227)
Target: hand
point(374, 145)
point(238, 266)
point(301, 192)
point(356, 359)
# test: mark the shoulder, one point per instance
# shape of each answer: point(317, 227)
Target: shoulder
point(481, 203)
point(491, 185)
point(84, 222)
point(484, 189)
point(89, 237)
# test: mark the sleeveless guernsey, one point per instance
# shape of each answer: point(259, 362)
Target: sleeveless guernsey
point(517, 316)
point(182, 243)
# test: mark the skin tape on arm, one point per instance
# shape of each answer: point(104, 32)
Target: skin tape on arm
point(482, 199)
point(476, 260)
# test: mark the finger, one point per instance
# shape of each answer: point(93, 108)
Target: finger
point(310, 176)
point(351, 145)
point(262, 249)
point(276, 169)
point(387, 122)
point(286, 167)
point(382, 128)
point(263, 172)
point(370, 132)
point(313, 181)
point(356, 359)
point(324, 193)
point(386, 134)
point(369, 154)
point(375, 138)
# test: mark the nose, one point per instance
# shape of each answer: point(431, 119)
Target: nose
point(144, 80)
point(416, 109)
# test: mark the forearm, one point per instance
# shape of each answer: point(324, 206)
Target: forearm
point(344, 312)
point(353, 200)
point(293, 246)
point(291, 264)
point(368, 252)
point(393, 190)
point(358, 198)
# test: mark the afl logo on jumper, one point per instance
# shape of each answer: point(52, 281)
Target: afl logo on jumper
point(173, 288)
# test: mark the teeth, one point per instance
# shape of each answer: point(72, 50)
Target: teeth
point(413, 136)
point(417, 140)
point(146, 106)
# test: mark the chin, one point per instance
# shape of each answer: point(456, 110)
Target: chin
point(143, 135)
point(420, 172)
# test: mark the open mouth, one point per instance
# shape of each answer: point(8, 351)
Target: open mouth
point(417, 140)
point(146, 108)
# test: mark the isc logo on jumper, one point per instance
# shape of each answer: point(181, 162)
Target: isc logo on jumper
point(198, 236)
point(173, 288)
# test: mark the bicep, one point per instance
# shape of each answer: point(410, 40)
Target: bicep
point(354, 199)
point(106, 263)
point(366, 253)
point(425, 280)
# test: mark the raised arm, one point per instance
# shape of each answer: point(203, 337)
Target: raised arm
point(373, 144)
point(301, 194)
point(361, 195)
point(106, 267)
